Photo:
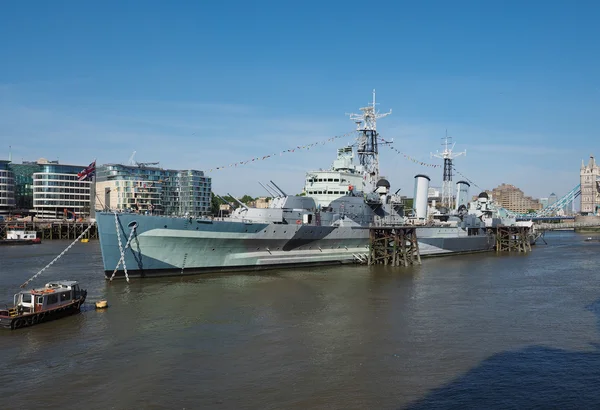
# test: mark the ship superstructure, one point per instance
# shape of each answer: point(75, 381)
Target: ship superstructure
point(325, 225)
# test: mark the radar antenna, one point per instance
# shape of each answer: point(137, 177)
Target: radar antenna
point(448, 155)
point(368, 154)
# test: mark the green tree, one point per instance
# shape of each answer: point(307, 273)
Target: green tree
point(247, 199)
point(215, 203)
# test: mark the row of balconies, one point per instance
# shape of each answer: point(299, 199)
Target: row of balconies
point(60, 196)
point(65, 190)
point(64, 184)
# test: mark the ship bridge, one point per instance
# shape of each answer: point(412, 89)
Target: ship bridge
point(344, 178)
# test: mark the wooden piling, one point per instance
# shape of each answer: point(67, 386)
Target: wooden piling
point(513, 239)
point(392, 245)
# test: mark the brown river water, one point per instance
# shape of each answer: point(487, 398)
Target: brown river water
point(475, 331)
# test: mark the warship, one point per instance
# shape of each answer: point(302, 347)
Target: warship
point(324, 225)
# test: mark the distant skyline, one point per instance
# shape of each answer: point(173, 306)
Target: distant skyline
point(205, 84)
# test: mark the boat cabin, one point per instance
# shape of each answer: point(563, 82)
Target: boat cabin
point(20, 235)
point(52, 295)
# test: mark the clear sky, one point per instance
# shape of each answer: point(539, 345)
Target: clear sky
point(198, 84)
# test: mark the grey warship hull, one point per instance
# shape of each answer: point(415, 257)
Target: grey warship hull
point(166, 246)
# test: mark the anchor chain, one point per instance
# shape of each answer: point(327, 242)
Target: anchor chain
point(59, 256)
point(121, 249)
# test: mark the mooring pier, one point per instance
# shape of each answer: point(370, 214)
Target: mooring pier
point(393, 246)
point(52, 230)
point(513, 238)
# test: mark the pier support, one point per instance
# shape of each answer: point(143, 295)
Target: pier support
point(513, 239)
point(394, 246)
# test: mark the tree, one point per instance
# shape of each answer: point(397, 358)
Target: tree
point(247, 199)
point(215, 203)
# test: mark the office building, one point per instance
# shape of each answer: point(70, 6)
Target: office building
point(57, 192)
point(154, 190)
point(7, 188)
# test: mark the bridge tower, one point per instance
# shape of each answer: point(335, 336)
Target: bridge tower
point(448, 155)
point(590, 187)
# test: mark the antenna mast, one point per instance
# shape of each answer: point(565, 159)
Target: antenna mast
point(368, 154)
point(448, 155)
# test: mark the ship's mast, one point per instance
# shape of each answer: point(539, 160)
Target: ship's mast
point(368, 155)
point(448, 155)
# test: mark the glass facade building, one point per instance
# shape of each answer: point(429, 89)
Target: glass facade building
point(57, 193)
point(7, 188)
point(24, 184)
point(153, 190)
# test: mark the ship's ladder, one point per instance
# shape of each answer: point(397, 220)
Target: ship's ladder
point(121, 249)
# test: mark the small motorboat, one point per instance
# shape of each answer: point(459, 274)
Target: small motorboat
point(53, 301)
point(20, 237)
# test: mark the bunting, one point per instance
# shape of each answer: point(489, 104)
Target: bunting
point(416, 161)
point(308, 146)
point(280, 153)
point(467, 179)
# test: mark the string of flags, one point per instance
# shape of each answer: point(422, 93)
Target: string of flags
point(264, 157)
point(468, 180)
point(308, 146)
point(416, 161)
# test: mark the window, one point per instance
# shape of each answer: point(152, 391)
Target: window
point(52, 299)
point(27, 298)
point(64, 296)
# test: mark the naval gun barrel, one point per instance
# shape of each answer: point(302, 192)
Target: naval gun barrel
point(268, 190)
point(238, 201)
point(224, 200)
point(279, 189)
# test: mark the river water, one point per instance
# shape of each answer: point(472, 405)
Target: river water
point(475, 331)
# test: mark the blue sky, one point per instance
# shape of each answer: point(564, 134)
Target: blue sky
point(205, 84)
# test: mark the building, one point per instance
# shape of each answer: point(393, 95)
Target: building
point(262, 202)
point(24, 185)
point(58, 193)
point(552, 199)
point(512, 198)
point(434, 197)
point(589, 177)
point(544, 202)
point(48, 189)
point(7, 188)
point(154, 190)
